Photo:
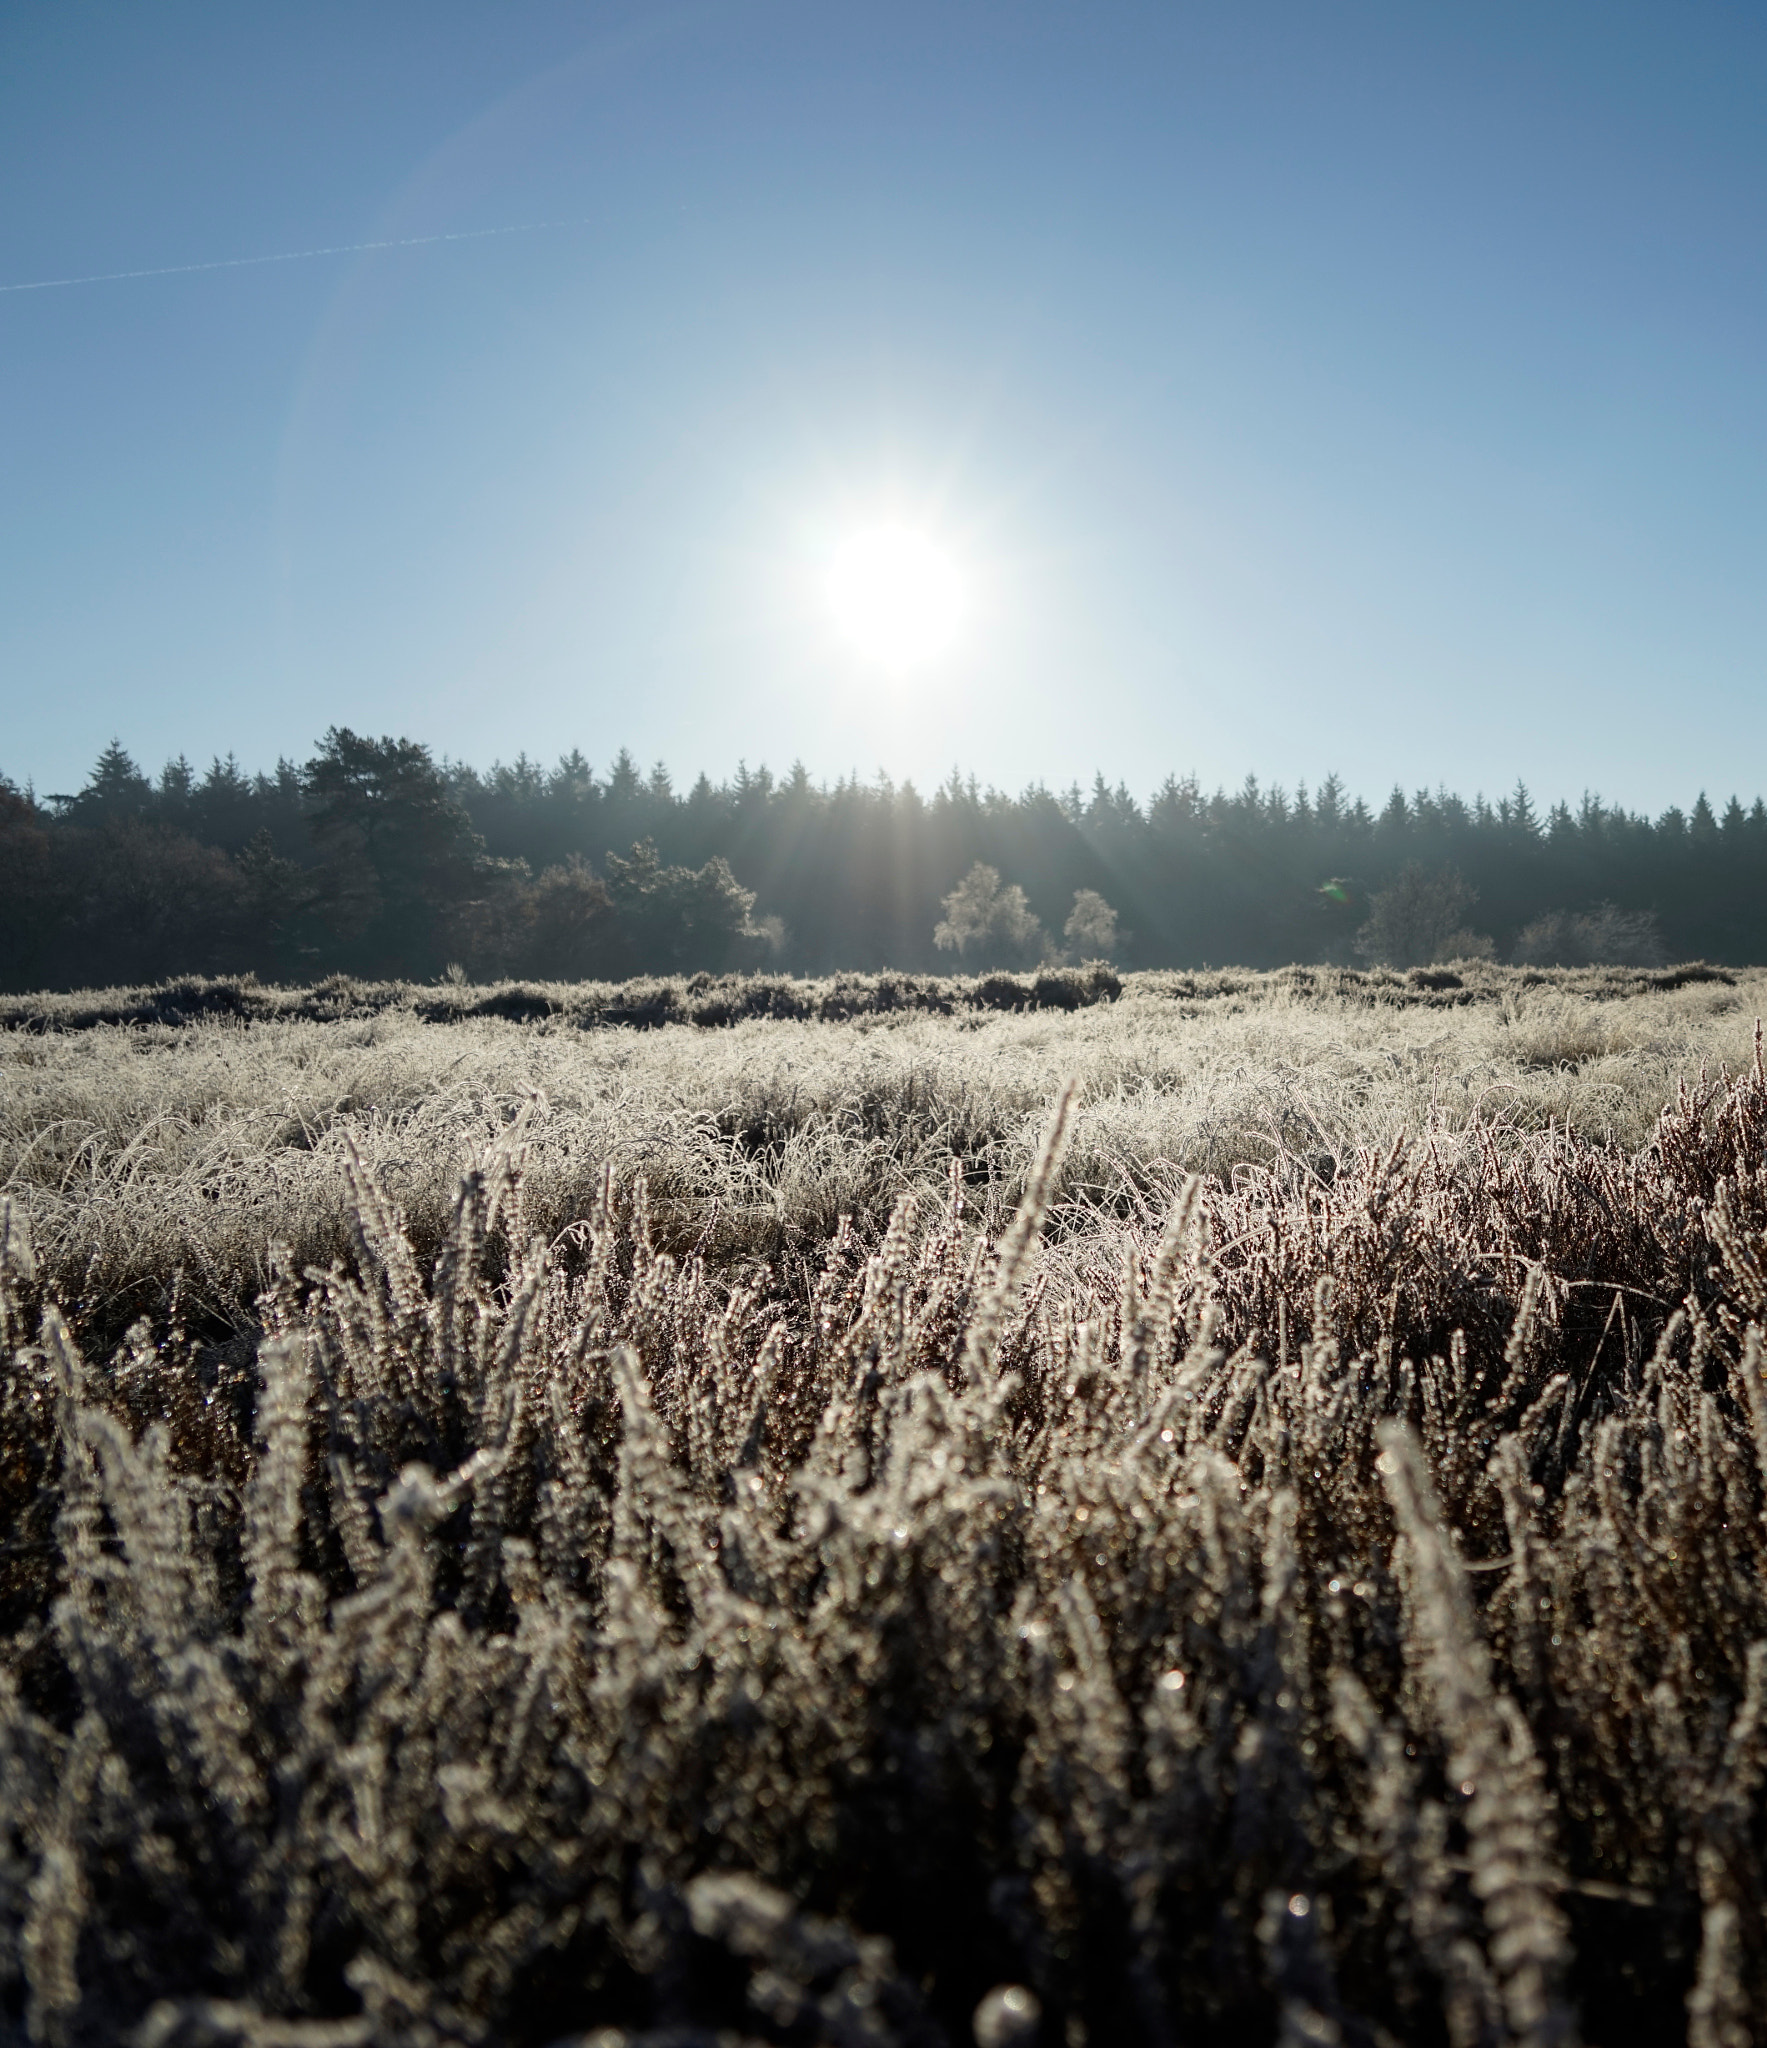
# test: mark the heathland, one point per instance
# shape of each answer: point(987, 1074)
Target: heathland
point(1067, 1508)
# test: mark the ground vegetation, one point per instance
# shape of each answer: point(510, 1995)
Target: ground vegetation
point(1231, 1512)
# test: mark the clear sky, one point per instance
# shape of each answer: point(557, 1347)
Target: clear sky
point(1298, 387)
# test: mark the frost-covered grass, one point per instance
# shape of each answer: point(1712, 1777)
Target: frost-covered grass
point(822, 1530)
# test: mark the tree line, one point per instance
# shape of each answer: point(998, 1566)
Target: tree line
point(374, 857)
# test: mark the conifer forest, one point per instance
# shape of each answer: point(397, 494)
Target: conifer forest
point(374, 858)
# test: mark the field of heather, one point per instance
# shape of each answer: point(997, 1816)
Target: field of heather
point(1058, 1509)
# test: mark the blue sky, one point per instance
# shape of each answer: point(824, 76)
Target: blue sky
point(1297, 387)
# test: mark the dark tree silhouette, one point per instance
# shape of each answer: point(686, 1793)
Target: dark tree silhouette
point(398, 851)
point(375, 858)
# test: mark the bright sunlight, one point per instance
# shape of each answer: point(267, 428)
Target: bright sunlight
point(896, 596)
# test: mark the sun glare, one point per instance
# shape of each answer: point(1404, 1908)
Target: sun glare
point(896, 596)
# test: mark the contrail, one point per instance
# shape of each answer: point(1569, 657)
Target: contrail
point(51, 284)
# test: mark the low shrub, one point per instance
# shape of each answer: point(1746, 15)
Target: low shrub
point(1335, 1613)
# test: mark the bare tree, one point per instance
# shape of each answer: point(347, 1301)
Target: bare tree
point(1420, 918)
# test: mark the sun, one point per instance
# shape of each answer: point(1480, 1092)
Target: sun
point(896, 596)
